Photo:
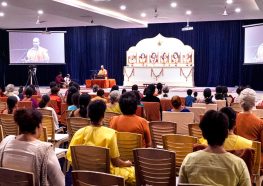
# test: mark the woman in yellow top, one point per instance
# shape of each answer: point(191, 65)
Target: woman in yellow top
point(114, 106)
point(232, 142)
point(98, 135)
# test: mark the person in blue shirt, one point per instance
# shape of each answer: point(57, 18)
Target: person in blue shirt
point(189, 99)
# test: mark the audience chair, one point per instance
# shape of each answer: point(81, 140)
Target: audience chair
point(207, 106)
point(220, 104)
point(43, 136)
point(90, 158)
point(166, 104)
point(76, 123)
point(181, 144)
point(63, 116)
point(2, 106)
point(84, 178)
point(191, 184)
point(11, 177)
point(24, 105)
point(107, 118)
point(236, 107)
point(197, 112)
point(126, 143)
point(53, 104)
point(154, 167)
point(258, 112)
point(140, 111)
point(45, 111)
point(194, 130)
point(159, 128)
point(8, 125)
point(152, 111)
point(257, 161)
point(181, 118)
point(3, 99)
point(259, 107)
point(56, 139)
point(1, 133)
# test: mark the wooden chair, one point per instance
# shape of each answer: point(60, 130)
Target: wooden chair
point(2, 106)
point(257, 161)
point(181, 144)
point(90, 158)
point(107, 118)
point(3, 99)
point(159, 128)
point(166, 104)
point(220, 104)
point(43, 136)
point(183, 100)
point(53, 104)
point(258, 112)
point(9, 125)
point(181, 118)
point(194, 130)
point(45, 111)
point(76, 123)
point(127, 142)
point(63, 116)
point(259, 107)
point(91, 178)
point(207, 106)
point(236, 107)
point(197, 112)
point(191, 184)
point(11, 177)
point(154, 167)
point(152, 111)
point(24, 105)
point(140, 111)
point(1, 133)
point(56, 139)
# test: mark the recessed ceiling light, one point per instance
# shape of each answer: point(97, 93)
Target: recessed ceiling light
point(173, 4)
point(238, 10)
point(2, 14)
point(143, 14)
point(4, 3)
point(188, 12)
point(229, 1)
point(40, 12)
point(123, 7)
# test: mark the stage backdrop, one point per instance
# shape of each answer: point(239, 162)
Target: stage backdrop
point(218, 53)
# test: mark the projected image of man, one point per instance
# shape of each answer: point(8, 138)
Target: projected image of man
point(37, 54)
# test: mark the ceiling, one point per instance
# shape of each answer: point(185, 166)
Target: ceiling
point(64, 13)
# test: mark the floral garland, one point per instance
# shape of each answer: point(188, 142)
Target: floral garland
point(129, 76)
point(158, 75)
point(185, 76)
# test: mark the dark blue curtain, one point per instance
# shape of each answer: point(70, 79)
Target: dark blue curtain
point(219, 48)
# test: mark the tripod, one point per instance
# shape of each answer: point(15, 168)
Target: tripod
point(32, 78)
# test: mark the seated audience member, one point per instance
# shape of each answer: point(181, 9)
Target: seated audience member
point(189, 99)
point(136, 88)
point(28, 94)
point(177, 105)
point(149, 95)
point(232, 142)
point(219, 93)
point(238, 91)
point(249, 125)
point(123, 91)
point(165, 92)
point(98, 135)
point(54, 96)
point(35, 91)
point(75, 102)
point(229, 99)
point(59, 80)
point(9, 91)
point(11, 105)
point(21, 92)
point(114, 87)
point(129, 122)
point(114, 106)
point(26, 153)
point(100, 96)
point(67, 80)
point(159, 87)
point(84, 100)
point(70, 92)
point(138, 97)
point(43, 105)
point(95, 88)
point(195, 97)
point(71, 84)
point(207, 96)
point(214, 165)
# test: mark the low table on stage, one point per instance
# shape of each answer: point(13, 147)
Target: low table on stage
point(103, 83)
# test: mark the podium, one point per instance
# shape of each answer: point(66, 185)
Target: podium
point(102, 83)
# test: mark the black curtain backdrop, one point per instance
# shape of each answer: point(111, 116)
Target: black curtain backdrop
point(219, 53)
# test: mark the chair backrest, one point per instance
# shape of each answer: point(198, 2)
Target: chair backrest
point(181, 144)
point(127, 142)
point(154, 167)
point(207, 106)
point(257, 160)
point(1, 133)
point(152, 111)
point(140, 111)
point(9, 125)
point(76, 123)
point(259, 107)
point(45, 112)
point(220, 104)
point(159, 128)
point(181, 118)
point(166, 104)
point(11, 177)
point(197, 112)
point(91, 178)
point(53, 104)
point(191, 184)
point(199, 105)
point(64, 116)
point(90, 158)
point(236, 107)
point(3, 99)
point(24, 104)
point(48, 122)
point(2, 106)
point(107, 118)
point(194, 130)
point(183, 100)
point(43, 136)
point(258, 112)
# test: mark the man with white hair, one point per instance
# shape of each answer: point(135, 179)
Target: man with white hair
point(37, 54)
point(249, 125)
point(103, 71)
